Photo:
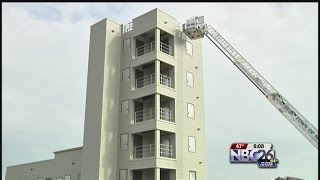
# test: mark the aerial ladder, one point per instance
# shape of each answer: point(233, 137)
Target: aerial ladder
point(195, 28)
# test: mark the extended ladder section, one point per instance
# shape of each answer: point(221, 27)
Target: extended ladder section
point(195, 28)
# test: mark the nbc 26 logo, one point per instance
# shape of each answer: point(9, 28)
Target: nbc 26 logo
point(261, 153)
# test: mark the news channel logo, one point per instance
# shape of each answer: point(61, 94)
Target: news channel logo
point(261, 153)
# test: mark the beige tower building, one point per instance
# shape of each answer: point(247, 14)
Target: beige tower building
point(144, 115)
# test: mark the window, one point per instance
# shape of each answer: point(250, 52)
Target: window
point(40, 179)
point(124, 141)
point(192, 175)
point(79, 176)
point(190, 110)
point(190, 79)
point(123, 174)
point(189, 48)
point(126, 45)
point(125, 107)
point(48, 179)
point(125, 75)
point(59, 178)
point(67, 177)
point(192, 144)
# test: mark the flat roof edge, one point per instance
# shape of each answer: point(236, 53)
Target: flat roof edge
point(166, 13)
point(106, 19)
point(29, 163)
point(155, 9)
point(66, 150)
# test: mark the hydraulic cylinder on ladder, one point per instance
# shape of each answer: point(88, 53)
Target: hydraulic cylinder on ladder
point(195, 28)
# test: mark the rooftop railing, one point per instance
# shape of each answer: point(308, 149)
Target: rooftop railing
point(179, 26)
point(128, 27)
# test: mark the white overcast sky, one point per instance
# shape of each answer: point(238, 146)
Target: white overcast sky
point(44, 66)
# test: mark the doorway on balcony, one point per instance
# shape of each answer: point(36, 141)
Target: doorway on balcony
point(143, 145)
point(167, 75)
point(143, 174)
point(144, 43)
point(144, 109)
point(167, 108)
point(167, 174)
point(144, 75)
point(167, 144)
point(166, 43)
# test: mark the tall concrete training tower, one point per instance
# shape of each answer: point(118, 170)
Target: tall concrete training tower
point(144, 117)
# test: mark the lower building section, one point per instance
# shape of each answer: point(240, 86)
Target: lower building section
point(66, 165)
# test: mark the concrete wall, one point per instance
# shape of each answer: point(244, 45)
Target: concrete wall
point(190, 161)
point(102, 102)
point(94, 94)
point(66, 162)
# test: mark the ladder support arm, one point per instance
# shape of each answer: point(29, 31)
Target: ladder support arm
point(276, 99)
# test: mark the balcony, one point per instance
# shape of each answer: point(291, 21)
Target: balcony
point(145, 81)
point(143, 151)
point(143, 144)
point(144, 49)
point(165, 114)
point(167, 75)
point(166, 43)
point(144, 43)
point(144, 115)
point(144, 75)
point(167, 108)
point(149, 47)
point(150, 79)
point(167, 144)
point(166, 48)
point(166, 151)
point(166, 80)
point(149, 151)
point(144, 108)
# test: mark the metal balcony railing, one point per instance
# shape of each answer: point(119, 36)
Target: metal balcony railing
point(144, 115)
point(144, 49)
point(166, 114)
point(179, 26)
point(127, 27)
point(166, 151)
point(166, 48)
point(144, 81)
point(165, 80)
point(143, 151)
